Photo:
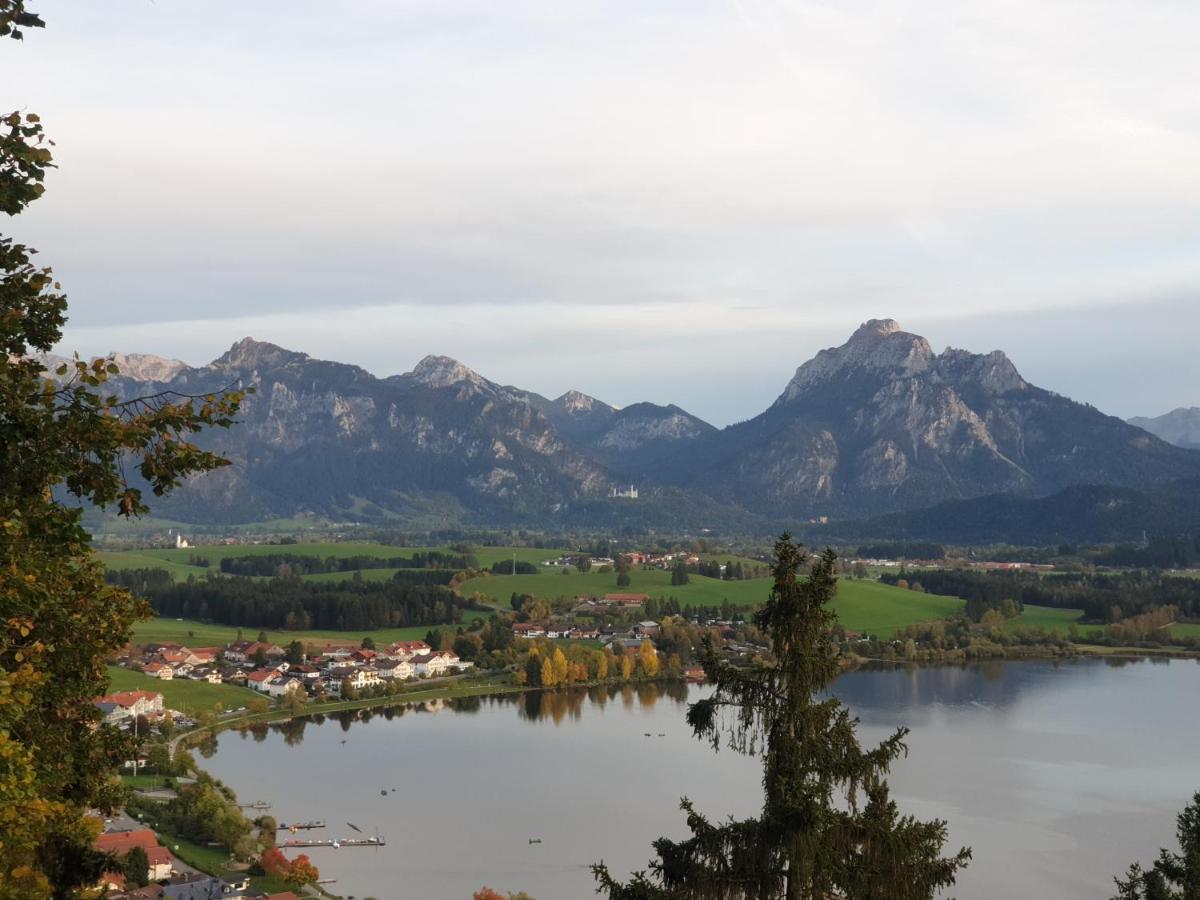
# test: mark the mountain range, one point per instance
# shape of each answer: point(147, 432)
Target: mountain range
point(880, 425)
point(1180, 427)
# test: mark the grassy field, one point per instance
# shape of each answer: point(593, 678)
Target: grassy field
point(187, 696)
point(860, 605)
point(1188, 630)
point(203, 634)
point(1045, 617)
point(656, 583)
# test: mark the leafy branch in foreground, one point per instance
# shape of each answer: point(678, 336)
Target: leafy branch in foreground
point(815, 837)
point(63, 436)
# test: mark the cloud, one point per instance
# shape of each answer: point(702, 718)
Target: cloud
point(575, 165)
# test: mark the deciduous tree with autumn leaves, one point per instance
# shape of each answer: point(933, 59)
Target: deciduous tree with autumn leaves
point(66, 441)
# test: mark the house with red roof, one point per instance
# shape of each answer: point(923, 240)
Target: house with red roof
point(408, 649)
point(120, 843)
point(159, 670)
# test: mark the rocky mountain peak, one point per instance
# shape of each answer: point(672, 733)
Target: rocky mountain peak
point(578, 403)
point(880, 347)
point(251, 354)
point(874, 329)
point(994, 372)
point(443, 371)
point(147, 367)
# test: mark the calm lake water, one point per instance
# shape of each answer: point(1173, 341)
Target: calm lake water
point(1057, 776)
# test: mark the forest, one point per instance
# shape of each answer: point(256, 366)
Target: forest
point(1104, 598)
point(289, 603)
point(272, 564)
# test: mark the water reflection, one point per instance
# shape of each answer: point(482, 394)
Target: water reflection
point(1074, 769)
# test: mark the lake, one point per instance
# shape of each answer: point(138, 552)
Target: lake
point(1058, 776)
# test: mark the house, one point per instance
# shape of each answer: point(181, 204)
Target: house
point(452, 660)
point(432, 665)
point(259, 679)
point(112, 881)
point(584, 633)
point(149, 892)
point(159, 670)
point(194, 886)
point(649, 629)
point(112, 712)
point(364, 678)
point(161, 863)
point(245, 651)
point(363, 656)
point(308, 674)
point(528, 630)
point(625, 599)
point(120, 843)
point(130, 704)
point(408, 649)
point(392, 669)
point(283, 685)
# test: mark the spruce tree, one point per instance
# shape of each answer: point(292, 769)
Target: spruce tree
point(816, 837)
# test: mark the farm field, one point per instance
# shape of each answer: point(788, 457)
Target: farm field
point(204, 634)
point(176, 561)
point(188, 696)
point(1190, 629)
point(1044, 617)
point(860, 605)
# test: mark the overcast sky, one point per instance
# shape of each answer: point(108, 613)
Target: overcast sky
point(678, 202)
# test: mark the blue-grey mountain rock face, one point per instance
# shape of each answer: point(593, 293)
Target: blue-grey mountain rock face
point(883, 423)
point(879, 424)
point(1180, 427)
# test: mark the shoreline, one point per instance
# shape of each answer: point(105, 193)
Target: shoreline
point(492, 686)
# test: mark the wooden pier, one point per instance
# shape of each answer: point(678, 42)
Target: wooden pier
point(301, 843)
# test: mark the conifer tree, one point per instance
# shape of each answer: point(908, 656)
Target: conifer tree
point(815, 838)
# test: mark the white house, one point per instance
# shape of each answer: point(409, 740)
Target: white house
point(279, 687)
point(432, 665)
point(260, 679)
point(159, 670)
point(408, 649)
point(392, 669)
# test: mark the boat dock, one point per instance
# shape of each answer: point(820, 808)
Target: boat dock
point(348, 842)
point(300, 826)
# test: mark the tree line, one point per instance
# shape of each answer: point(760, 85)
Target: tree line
point(291, 604)
point(1103, 598)
point(272, 564)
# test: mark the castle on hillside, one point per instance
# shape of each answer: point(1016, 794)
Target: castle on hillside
point(630, 494)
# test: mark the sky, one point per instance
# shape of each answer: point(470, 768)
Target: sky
point(668, 201)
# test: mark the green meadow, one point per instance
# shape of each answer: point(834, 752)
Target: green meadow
point(861, 605)
point(204, 634)
point(188, 696)
point(1045, 617)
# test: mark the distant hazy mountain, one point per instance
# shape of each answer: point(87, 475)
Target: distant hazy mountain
point(879, 425)
point(1081, 513)
point(1180, 427)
